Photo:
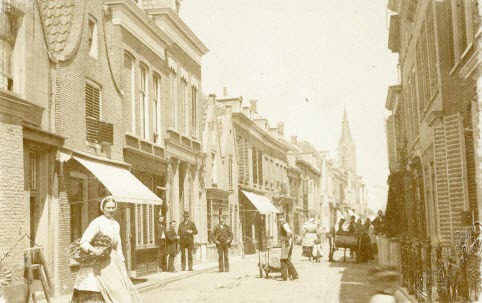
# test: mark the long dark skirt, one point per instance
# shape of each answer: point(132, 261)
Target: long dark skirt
point(83, 296)
point(366, 252)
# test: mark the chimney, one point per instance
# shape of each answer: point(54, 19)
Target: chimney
point(254, 105)
point(281, 128)
point(294, 140)
point(225, 91)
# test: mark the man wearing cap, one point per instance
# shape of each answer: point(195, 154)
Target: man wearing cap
point(222, 236)
point(187, 231)
point(161, 241)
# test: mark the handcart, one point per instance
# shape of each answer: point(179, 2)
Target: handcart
point(346, 241)
point(269, 262)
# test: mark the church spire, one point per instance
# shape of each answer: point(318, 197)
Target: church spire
point(345, 130)
point(346, 146)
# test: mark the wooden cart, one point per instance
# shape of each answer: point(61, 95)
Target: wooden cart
point(346, 241)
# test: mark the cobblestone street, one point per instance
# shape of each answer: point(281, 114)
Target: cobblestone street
point(319, 282)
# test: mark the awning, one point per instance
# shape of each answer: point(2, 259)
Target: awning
point(262, 203)
point(121, 183)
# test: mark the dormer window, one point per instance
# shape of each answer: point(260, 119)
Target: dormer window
point(93, 37)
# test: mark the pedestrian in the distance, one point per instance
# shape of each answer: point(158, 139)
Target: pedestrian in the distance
point(172, 243)
point(317, 251)
point(161, 242)
point(187, 231)
point(222, 237)
point(287, 268)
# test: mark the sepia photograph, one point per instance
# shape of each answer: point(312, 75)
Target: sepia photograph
point(240, 151)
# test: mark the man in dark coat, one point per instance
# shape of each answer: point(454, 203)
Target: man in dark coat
point(187, 231)
point(287, 268)
point(161, 242)
point(379, 223)
point(172, 243)
point(222, 237)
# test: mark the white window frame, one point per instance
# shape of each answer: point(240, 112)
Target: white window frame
point(93, 37)
point(144, 100)
point(156, 100)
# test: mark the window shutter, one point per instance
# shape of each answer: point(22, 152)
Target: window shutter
point(92, 112)
point(241, 158)
point(432, 56)
point(451, 176)
point(260, 168)
point(246, 161)
point(391, 143)
point(230, 172)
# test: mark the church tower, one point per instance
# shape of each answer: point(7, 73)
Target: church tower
point(346, 148)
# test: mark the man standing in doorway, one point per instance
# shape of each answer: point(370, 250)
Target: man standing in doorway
point(222, 237)
point(287, 268)
point(187, 231)
point(161, 241)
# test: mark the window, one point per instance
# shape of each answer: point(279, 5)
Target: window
point(157, 109)
point(183, 110)
point(33, 170)
point(213, 168)
point(7, 42)
point(145, 215)
point(194, 111)
point(76, 199)
point(255, 165)
point(93, 37)
point(260, 168)
point(129, 89)
point(143, 102)
point(230, 172)
point(92, 111)
point(173, 99)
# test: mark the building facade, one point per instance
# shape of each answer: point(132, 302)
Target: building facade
point(433, 190)
point(221, 177)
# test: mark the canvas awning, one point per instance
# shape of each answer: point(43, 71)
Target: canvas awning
point(262, 203)
point(120, 182)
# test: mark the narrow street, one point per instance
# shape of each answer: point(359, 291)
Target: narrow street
point(319, 282)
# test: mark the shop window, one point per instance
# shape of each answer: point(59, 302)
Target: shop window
point(76, 199)
point(145, 215)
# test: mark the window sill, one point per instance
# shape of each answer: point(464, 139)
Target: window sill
point(97, 146)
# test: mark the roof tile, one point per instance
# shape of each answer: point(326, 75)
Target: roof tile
point(57, 19)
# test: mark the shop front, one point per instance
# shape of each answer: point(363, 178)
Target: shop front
point(88, 180)
point(258, 217)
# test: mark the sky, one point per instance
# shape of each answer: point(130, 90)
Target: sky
point(281, 52)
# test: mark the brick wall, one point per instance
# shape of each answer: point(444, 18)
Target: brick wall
point(12, 201)
point(70, 86)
